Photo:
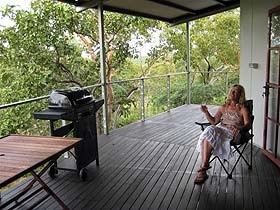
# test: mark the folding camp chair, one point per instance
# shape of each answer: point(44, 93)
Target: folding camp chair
point(241, 145)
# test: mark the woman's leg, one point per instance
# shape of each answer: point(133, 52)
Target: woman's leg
point(206, 151)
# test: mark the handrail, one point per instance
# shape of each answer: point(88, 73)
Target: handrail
point(4, 106)
point(114, 82)
point(141, 84)
point(164, 75)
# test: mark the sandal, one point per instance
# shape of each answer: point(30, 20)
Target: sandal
point(201, 177)
point(204, 168)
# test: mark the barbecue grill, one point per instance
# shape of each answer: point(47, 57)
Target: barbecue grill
point(78, 108)
point(69, 98)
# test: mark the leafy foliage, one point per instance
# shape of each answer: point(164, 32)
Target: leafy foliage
point(51, 46)
point(214, 51)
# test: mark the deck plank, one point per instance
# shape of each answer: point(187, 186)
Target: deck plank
point(152, 165)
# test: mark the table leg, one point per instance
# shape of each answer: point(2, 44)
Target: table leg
point(36, 178)
point(49, 191)
point(26, 189)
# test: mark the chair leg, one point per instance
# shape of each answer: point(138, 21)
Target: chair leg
point(238, 159)
point(249, 163)
point(241, 155)
point(213, 159)
point(229, 174)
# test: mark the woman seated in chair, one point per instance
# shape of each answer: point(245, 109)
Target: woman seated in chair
point(215, 139)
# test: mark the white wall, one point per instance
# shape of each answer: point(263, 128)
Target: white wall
point(253, 49)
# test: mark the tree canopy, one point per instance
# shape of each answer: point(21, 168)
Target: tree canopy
point(51, 46)
point(214, 44)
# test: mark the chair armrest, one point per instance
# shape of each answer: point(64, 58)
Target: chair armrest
point(203, 125)
point(244, 138)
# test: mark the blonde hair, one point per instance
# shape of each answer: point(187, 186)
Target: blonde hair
point(242, 98)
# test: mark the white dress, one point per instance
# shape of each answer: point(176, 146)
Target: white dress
point(219, 136)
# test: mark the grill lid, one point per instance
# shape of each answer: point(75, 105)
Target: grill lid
point(72, 97)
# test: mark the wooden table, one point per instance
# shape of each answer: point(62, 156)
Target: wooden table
point(21, 154)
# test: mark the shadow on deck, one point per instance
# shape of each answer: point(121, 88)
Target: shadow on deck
point(152, 165)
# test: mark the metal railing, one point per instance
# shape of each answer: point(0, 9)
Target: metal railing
point(141, 83)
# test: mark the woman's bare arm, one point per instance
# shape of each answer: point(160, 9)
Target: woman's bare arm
point(213, 119)
point(246, 118)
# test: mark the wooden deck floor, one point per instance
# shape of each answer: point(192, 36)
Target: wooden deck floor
point(152, 165)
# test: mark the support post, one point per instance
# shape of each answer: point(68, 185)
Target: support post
point(102, 67)
point(168, 92)
point(226, 82)
point(142, 100)
point(188, 64)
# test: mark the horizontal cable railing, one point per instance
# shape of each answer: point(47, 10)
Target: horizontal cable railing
point(141, 85)
point(23, 102)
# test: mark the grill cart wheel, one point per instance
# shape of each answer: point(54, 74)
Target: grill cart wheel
point(83, 174)
point(53, 171)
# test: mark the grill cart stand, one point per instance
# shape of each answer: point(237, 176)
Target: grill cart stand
point(82, 122)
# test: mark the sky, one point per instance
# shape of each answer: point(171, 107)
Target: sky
point(24, 4)
point(21, 3)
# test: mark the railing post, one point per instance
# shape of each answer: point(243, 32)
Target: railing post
point(188, 88)
point(142, 100)
point(66, 154)
point(103, 68)
point(226, 82)
point(188, 63)
point(168, 92)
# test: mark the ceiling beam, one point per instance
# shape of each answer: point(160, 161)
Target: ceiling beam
point(134, 13)
point(173, 5)
point(227, 2)
point(204, 13)
point(82, 3)
point(88, 4)
point(221, 2)
point(80, 8)
point(223, 5)
point(72, 2)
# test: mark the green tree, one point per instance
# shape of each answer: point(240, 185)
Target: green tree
point(52, 46)
point(214, 47)
point(215, 44)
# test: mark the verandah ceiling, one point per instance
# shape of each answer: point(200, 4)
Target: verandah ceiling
point(171, 11)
